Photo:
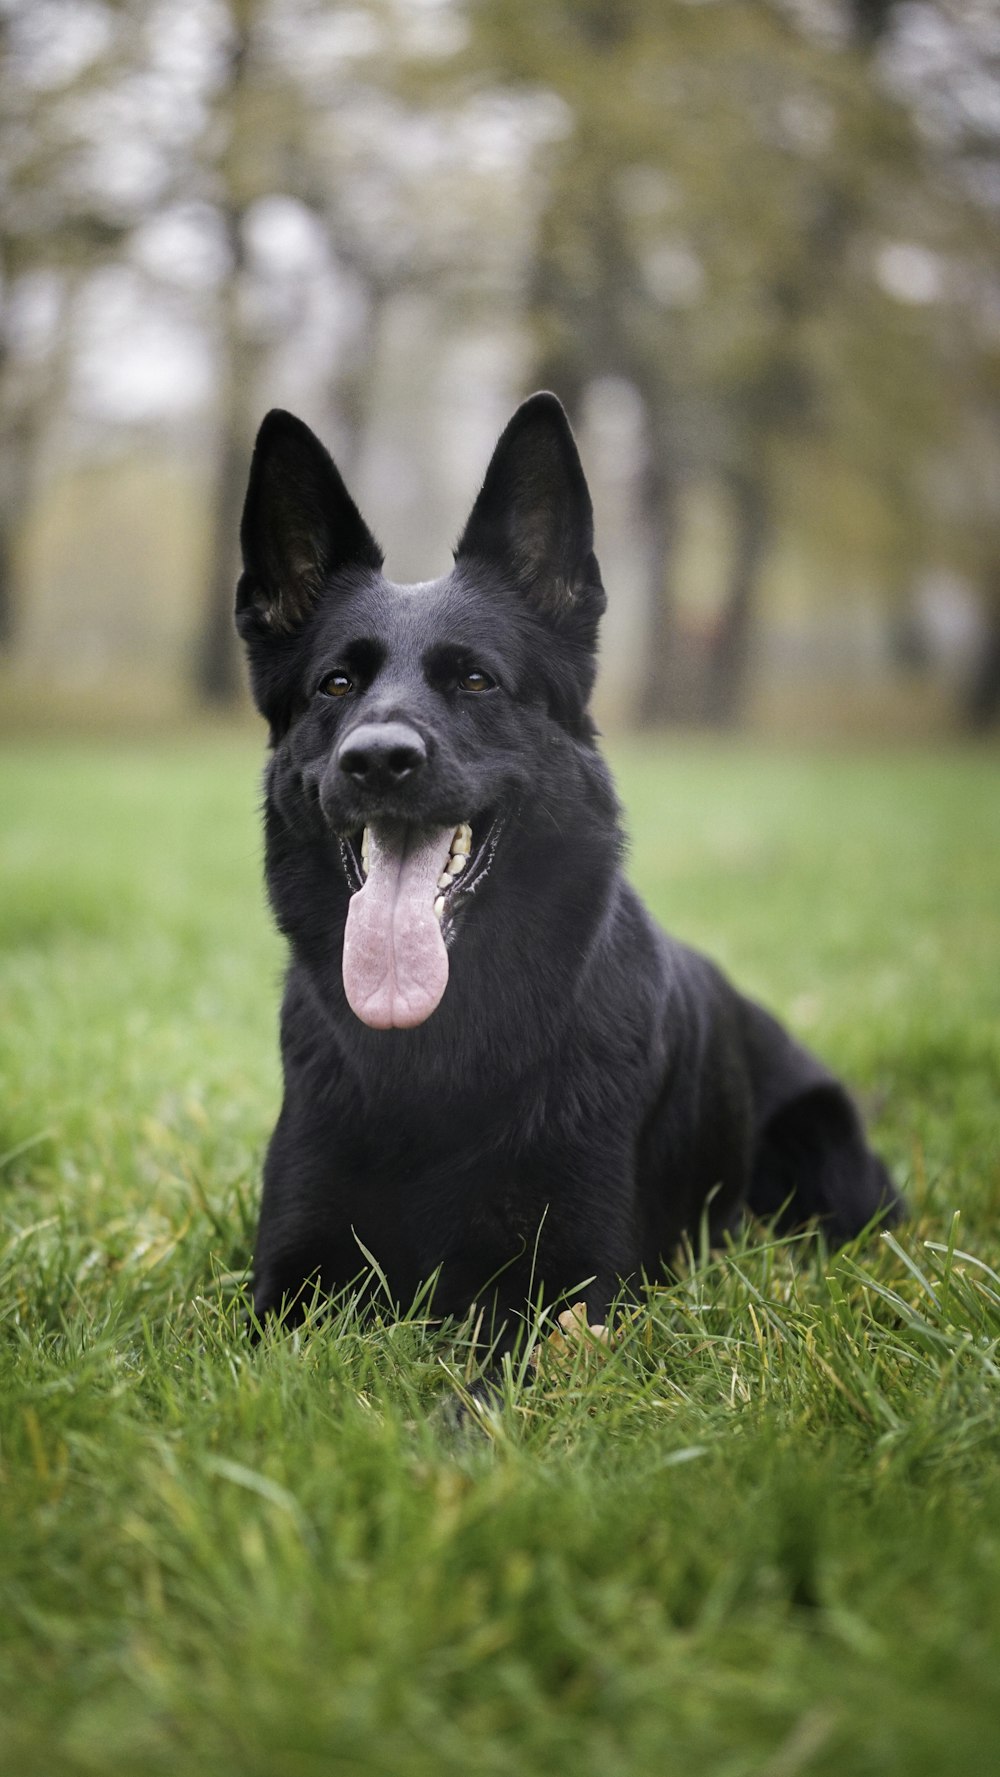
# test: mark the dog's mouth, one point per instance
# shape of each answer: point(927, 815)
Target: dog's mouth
point(407, 884)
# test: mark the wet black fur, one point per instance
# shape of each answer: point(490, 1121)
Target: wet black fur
point(588, 1089)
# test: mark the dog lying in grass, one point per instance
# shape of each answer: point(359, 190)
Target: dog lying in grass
point(498, 1071)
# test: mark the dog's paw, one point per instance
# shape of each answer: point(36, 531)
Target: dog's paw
point(572, 1339)
point(469, 1407)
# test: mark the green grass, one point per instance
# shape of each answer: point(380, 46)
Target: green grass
point(761, 1536)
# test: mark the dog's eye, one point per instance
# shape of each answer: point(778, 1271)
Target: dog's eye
point(476, 681)
point(337, 685)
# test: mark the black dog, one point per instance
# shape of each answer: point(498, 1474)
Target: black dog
point(497, 1068)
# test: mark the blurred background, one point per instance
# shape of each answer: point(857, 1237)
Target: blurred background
point(752, 244)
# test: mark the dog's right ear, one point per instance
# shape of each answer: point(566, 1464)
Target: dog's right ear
point(533, 515)
point(299, 527)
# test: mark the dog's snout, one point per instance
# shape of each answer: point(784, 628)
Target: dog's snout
point(380, 755)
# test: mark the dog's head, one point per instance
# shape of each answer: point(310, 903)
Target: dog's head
point(405, 708)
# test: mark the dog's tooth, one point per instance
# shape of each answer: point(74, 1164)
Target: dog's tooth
point(439, 906)
point(456, 865)
point(444, 879)
point(462, 841)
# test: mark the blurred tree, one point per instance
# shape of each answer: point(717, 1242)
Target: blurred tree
point(941, 58)
point(870, 19)
point(56, 223)
point(776, 223)
point(331, 111)
point(102, 128)
point(247, 117)
point(708, 233)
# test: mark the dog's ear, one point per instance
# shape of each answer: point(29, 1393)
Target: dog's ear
point(533, 515)
point(299, 526)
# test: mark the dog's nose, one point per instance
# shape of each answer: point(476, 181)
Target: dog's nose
point(380, 755)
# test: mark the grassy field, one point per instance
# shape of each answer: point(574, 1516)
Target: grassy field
point(761, 1535)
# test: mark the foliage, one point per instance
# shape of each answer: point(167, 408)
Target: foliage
point(773, 221)
point(759, 1533)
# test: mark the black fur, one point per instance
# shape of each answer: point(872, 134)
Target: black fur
point(588, 1090)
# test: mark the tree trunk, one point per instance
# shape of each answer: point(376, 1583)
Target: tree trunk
point(351, 390)
point(217, 672)
point(870, 20)
point(217, 675)
point(981, 704)
point(660, 695)
point(19, 437)
point(729, 656)
point(11, 518)
point(29, 399)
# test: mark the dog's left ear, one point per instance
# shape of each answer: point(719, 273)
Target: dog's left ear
point(533, 516)
point(300, 527)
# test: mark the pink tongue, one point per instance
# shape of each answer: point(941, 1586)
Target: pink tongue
point(395, 962)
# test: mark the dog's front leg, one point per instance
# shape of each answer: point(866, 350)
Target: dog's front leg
point(303, 1239)
point(507, 1317)
point(505, 1326)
